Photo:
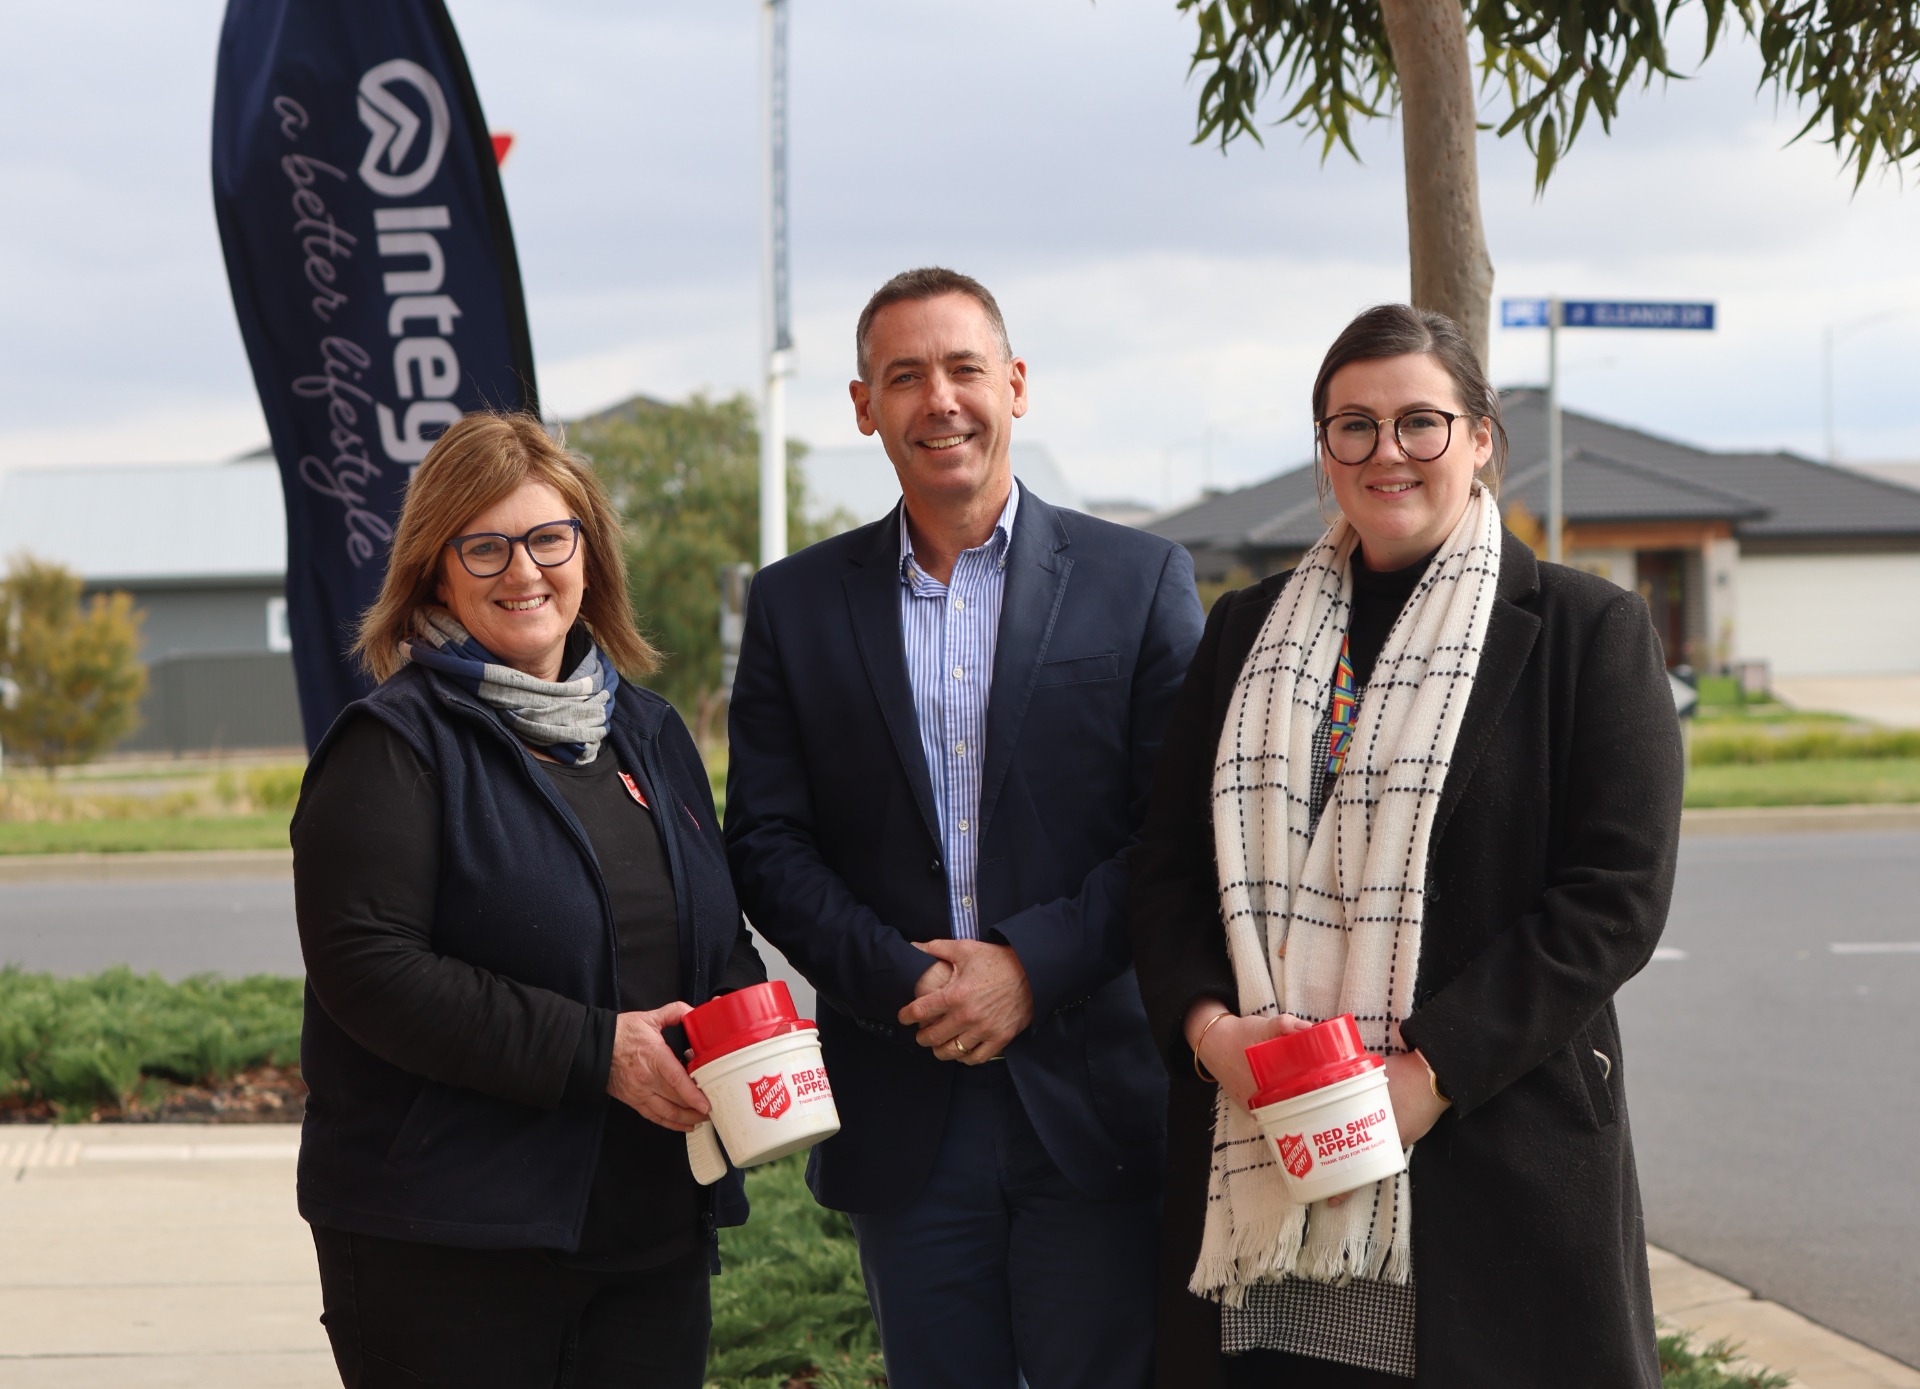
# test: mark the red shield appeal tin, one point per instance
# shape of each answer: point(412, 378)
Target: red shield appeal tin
point(759, 1066)
point(1323, 1103)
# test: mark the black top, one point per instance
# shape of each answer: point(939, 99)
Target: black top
point(645, 1207)
point(1378, 597)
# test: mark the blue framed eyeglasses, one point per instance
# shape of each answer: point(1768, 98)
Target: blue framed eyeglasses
point(487, 553)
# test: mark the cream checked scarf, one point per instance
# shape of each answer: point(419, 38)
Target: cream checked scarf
point(1327, 921)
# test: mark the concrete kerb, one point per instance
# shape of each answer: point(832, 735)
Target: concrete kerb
point(171, 1255)
point(1767, 1335)
point(196, 865)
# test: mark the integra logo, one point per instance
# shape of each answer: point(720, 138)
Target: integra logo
point(395, 126)
point(420, 313)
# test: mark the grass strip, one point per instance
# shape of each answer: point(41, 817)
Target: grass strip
point(1722, 746)
point(102, 1042)
point(1833, 781)
point(131, 836)
point(789, 1305)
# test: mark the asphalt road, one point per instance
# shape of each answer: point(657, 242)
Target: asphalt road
point(1774, 1075)
point(234, 926)
point(1774, 1082)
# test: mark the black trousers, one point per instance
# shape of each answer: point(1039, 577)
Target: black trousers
point(1276, 1369)
point(403, 1314)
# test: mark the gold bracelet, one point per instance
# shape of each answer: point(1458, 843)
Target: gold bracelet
point(1199, 1041)
point(1433, 1081)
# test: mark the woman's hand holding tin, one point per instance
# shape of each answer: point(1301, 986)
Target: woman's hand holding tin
point(646, 1076)
point(1223, 1048)
point(1417, 1105)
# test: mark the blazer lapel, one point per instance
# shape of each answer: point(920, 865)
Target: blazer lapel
point(1037, 569)
point(1511, 633)
point(873, 603)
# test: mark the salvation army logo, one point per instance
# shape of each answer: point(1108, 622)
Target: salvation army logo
point(394, 126)
point(1295, 1154)
point(770, 1097)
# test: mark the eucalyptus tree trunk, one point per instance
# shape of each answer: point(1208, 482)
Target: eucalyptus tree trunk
point(1451, 269)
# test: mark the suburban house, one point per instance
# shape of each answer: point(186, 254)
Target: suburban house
point(202, 549)
point(1769, 561)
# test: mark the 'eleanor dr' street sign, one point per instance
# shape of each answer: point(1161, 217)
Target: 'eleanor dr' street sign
point(1606, 313)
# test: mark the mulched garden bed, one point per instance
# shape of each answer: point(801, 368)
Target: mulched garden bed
point(263, 1095)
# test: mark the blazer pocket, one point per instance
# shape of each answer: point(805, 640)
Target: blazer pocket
point(1078, 670)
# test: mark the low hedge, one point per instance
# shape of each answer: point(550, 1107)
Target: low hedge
point(1729, 747)
point(93, 1042)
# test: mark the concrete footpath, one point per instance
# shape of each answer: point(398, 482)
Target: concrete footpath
point(151, 1256)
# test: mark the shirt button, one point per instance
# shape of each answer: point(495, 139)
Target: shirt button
point(959, 672)
point(960, 749)
point(963, 827)
point(959, 605)
point(966, 901)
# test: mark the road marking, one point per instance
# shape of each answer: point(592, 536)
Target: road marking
point(1668, 952)
point(1874, 947)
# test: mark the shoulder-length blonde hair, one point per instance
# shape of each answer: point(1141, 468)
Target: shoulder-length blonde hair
point(483, 459)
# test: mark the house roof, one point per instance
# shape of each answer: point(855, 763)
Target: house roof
point(1597, 488)
point(1801, 497)
point(1612, 473)
point(154, 523)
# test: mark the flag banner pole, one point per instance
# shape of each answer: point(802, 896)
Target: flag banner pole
point(374, 278)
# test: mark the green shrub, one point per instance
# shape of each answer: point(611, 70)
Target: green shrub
point(789, 1299)
point(1726, 747)
point(86, 1043)
point(1682, 1367)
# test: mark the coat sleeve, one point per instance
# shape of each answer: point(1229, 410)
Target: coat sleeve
point(857, 962)
point(1173, 906)
point(1073, 946)
point(1537, 983)
point(366, 864)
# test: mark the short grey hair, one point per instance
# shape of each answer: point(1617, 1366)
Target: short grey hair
point(928, 282)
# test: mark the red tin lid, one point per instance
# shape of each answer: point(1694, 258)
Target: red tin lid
point(740, 1019)
point(1307, 1060)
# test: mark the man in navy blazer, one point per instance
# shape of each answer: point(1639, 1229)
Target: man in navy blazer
point(943, 728)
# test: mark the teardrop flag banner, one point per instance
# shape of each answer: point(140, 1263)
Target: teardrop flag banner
point(374, 277)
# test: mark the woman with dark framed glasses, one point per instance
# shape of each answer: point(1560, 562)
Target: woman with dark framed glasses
point(1427, 780)
point(510, 887)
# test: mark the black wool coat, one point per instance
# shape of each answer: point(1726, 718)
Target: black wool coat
point(1548, 881)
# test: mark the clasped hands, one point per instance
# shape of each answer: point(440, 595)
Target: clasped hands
point(971, 1002)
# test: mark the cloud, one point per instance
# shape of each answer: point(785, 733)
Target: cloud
point(1172, 300)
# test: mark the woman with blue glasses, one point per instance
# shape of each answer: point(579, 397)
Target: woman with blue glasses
point(510, 887)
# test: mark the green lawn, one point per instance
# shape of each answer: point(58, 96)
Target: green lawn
point(1831, 781)
point(132, 836)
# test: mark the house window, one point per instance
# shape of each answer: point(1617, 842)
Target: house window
point(278, 637)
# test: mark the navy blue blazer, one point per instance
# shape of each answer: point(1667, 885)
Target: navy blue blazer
point(835, 848)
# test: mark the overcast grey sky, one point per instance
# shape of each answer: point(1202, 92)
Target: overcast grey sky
point(1162, 293)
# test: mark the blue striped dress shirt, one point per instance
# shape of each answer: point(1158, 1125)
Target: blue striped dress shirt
point(950, 632)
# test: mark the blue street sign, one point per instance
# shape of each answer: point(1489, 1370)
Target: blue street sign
point(1605, 313)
